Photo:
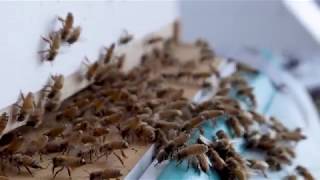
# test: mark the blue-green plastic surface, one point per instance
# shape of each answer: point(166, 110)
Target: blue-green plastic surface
point(264, 93)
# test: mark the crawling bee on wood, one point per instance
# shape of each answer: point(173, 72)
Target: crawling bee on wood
point(67, 162)
point(68, 113)
point(109, 147)
point(105, 174)
point(54, 42)
point(55, 132)
point(36, 145)
point(125, 38)
point(27, 107)
point(27, 162)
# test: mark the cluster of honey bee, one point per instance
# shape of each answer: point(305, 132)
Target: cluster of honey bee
point(67, 34)
point(140, 107)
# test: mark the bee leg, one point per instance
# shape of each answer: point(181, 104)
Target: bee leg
point(264, 174)
point(29, 171)
point(134, 149)
point(55, 174)
point(69, 172)
point(52, 170)
point(61, 20)
point(46, 39)
point(19, 170)
point(119, 158)
point(123, 154)
point(179, 162)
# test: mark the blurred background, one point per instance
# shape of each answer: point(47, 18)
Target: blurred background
point(282, 34)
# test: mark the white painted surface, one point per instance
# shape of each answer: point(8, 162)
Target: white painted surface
point(22, 24)
point(232, 25)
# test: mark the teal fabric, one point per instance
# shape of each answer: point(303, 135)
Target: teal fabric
point(264, 92)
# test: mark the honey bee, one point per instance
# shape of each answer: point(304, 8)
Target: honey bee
point(246, 68)
point(111, 119)
point(166, 125)
point(259, 165)
point(193, 123)
point(68, 113)
point(88, 139)
point(36, 145)
point(276, 125)
point(54, 46)
point(171, 113)
point(105, 174)
point(291, 177)
point(109, 147)
point(171, 146)
point(55, 88)
point(108, 55)
point(235, 125)
point(191, 150)
point(92, 69)
point(15, 145)
point(3, 121)
point(292, 136)
point(161, 138)
point(304, 172)
point(203, 162)
point(67, 162)
point(100, 132)
point(273, 163)
point(125, 38)
point(145, 131)
point(235, 170)
point(26, 161)
point(222, 135)
point(67, 26)
point(27, 107)
point(52, 105)
point(55, 132)
point(218, 162)
point(258, 117)
point(211, 113)
point(74, 36)
point(55, 146)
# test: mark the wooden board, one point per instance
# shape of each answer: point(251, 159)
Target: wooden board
point(184, 53)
